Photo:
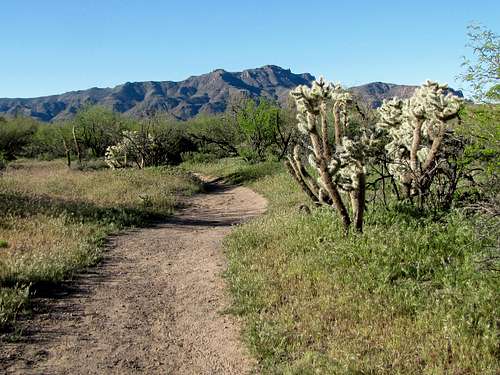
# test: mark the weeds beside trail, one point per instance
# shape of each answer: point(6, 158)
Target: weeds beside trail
point(54, 220)
point(155, 305)
point(408, 296)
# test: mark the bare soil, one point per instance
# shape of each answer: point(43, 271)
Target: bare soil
point(155, 305)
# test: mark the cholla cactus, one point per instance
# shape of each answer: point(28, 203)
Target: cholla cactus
point(116, 156)
point(339, 164)
point(416, 128)
point(134, 146)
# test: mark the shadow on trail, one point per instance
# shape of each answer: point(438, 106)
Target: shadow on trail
point(23, 205)
point(48, 297)
point(51, 301)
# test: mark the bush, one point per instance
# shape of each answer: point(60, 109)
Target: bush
point(152, 142)
point(266, 129)
point(49, 140)
point(97, 128)
point(198, 157)
point(217, 135)
point(15, 134)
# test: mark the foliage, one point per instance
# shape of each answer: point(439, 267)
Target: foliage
point(264, 128)
point(97, 128)
point(49, 140)
point(217, 135)
point(482, 71)
point(3, 162)
point(15, 134)
point(480, 126)
point(12, 302)
point(157, 141)
point(134, 146)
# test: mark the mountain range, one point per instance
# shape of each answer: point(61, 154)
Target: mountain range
point(205, 94)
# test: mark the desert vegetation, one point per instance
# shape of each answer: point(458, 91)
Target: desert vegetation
point(379, 251)
point(417, 291)
point(54, 220)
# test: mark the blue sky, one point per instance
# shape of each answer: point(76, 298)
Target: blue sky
point(53, 46)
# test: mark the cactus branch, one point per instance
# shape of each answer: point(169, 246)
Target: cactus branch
point(305, 188)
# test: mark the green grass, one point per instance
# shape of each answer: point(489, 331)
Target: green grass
point(54, 220)
point(406, 297)
point(234, 170)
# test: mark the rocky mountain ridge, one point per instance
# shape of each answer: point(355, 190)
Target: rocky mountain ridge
point(205, 94)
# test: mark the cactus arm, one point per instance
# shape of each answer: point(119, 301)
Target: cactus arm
point(332, 190)
point(337, 125)
point(436, 145)
point(296, 175)
point(304, 175)
point(417, 136)
point(326, 178)
point(327, 152)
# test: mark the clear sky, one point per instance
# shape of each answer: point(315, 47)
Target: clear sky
point(53, 46)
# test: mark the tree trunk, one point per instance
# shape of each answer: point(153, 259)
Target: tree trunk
point(68, 153)
point(77, 146)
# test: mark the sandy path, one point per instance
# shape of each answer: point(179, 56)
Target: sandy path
point(152, 306)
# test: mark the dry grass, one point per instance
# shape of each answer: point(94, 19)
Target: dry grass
point(54, 219)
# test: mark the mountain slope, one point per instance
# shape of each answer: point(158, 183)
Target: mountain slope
point(208, 93)
point(374, 93)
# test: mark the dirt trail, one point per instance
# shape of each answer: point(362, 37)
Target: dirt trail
point(154, 305)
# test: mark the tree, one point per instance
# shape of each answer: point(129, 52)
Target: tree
point(96, 128)
point(15, 135)
point(266, 128)
point(50, 141)
point(482, 71)
point(219, 135)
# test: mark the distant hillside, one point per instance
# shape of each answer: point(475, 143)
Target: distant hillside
point(374, 93)
point(208, 93)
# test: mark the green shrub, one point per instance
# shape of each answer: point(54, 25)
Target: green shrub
point(15, 134)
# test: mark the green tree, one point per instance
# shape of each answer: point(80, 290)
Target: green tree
point(97, 128)
point(267, 129)
point(15, 135)
point(482, 70)
point(50, 141)
point(217, 135)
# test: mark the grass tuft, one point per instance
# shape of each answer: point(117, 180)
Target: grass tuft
point(54, 220)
